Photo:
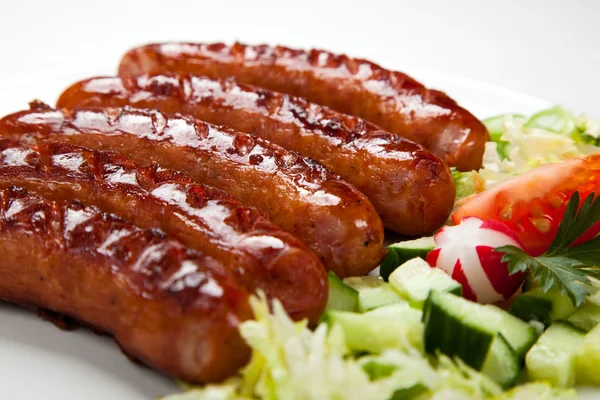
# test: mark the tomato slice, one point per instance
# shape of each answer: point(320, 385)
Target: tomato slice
point(533, 204)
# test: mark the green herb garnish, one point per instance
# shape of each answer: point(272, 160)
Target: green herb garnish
point(566, 267)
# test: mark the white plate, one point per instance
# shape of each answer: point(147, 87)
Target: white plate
point(37, 360)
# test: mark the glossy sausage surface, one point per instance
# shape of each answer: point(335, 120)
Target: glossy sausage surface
point(170, 307)
point(202, 218)
point(329, 215)
point(390, 99)
point(411, 189)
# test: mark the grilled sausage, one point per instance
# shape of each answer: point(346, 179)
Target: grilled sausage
point(411, 189)
point(203, 218)
point(332, 217)
point(170, 307)
point(391, 100)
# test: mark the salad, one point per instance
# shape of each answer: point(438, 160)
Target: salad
point(501, 303)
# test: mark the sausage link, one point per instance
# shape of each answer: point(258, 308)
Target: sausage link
point(170, 307)
point(389, 99)
point(411, 189)
point(202, 218)
point(331, 216)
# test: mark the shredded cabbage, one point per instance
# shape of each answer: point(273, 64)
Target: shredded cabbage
point(289, 361)
point(519, 144)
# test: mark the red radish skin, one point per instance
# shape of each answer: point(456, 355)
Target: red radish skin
point(466, 252)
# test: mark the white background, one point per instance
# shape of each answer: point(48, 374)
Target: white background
point(545, 48)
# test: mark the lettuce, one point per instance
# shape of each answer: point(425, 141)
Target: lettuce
point(467, 183)
point(289, 361)
point(519, 144)
point(538, 391)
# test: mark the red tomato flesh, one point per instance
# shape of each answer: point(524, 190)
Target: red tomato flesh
point(533, 204)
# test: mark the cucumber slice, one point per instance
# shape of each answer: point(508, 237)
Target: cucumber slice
point(552, 358)
point(373, 292)
point(519, 334)
point(341, 296)
point(415, 279)
point(375, 334)
point(536, 305)
point(401, 252)
point(587, 359)
point(502, 364)
point(398, 312)
point(585, 317)
point(458, 327)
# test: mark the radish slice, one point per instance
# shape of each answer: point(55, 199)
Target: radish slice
point(466, 253)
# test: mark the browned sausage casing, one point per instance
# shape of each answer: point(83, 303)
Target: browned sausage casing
point(170, 307)
point(329, 215)
point(390, 99)
point(203, 218)
point(411, 189)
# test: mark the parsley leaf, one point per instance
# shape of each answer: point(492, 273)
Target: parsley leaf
point(568, 268)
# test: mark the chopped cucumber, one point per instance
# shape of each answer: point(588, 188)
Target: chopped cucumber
point(373, 292)
point(587, 359)
point(415, 279)
point(401, 252)
point(375, 334)
point(480, 335)
point(519, 334)
point(502, 364)
point(398, 312)
point(536, 305)
point(341, 296)
point(585, 317)
point(459, 327)
point(552, 358)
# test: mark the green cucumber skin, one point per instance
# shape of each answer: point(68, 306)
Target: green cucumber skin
point(341, 296)
point(545, 307)
point(450, 335)
point(456, 290)
point(398, 255)
point(396, 259)
point(529, 308)
point(389, 264)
